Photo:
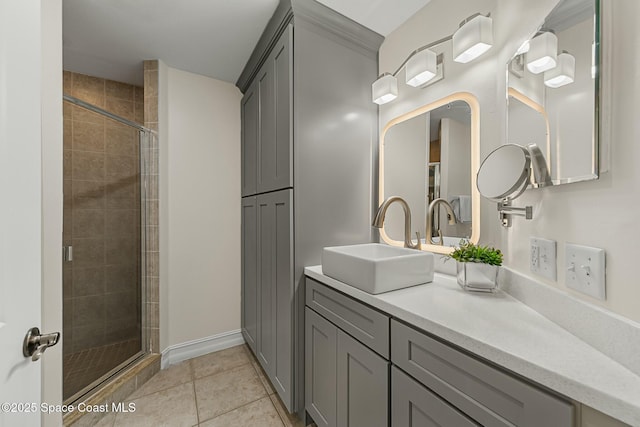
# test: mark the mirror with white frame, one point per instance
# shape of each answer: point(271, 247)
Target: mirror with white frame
point(432, 153)
point(553, 92)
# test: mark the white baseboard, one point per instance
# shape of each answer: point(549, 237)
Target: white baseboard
point(187, 350)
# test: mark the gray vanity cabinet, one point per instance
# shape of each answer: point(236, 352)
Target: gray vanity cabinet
point(414, 405)
point(275, 288)
point(346, 380)
point(274, 87)
point(362, 387)
point(249, 141)
point(249, 290)
point(347, 384)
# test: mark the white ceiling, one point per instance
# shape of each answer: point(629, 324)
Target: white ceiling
point(111, 38)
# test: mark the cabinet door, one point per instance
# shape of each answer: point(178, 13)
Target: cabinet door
point(249, 145)
point(320, 342)
point(413, 405)
point(274, 85)
point(275, 278)
point(362, 385)
point(249, 272)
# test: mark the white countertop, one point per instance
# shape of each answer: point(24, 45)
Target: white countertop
point(507, 332)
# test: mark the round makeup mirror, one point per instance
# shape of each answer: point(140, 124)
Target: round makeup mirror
point(505, 173)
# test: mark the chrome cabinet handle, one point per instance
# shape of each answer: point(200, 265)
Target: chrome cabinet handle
point(35, 343)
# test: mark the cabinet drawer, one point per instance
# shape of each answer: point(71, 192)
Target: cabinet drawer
point(413, 405)
point(367, 325)
point(487, 394)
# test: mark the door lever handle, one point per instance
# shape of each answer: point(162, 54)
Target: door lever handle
point(35, 343)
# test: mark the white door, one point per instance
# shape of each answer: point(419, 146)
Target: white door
point(21, 247)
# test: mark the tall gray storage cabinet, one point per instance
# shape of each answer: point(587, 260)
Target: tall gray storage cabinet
point(309, 138)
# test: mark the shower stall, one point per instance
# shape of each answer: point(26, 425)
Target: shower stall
point(106, 171)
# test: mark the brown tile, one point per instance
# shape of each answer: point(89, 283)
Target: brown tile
point(120, 250)
point(150, 64)
point(167, 378)
point(83, 115)
point(88, 166)
point(67, 110)
point(153, 261)
point(152, 213)
point(121, 140)
point(67, 281)
point(67, 81)
point(153, 313)
point(88, 223)
point(88, 136)
point(259, 413)
point(153, 289)
point(121, 305)
point(67, 223)
point(146, 374)
point(88, 252)
point(120, 107)
point(151, 109)
point(123, 169)
point(88, 281)
point(121, 278)
point(119, 90)
point(121, 222)
point(117, 330)
point(89, 89)
point(153, 238)
point(89, 311)
point(289, 420)
point(150, 84)
point(67, 165)
point(138, 94)
point(214, 363)
point(138, 112)
point(87, 336)
point(67, 136)
point(224, 392)
point(88, 194)
point(152, 188)
point(171, 407)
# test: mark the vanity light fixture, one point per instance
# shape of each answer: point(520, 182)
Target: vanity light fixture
point(473, 38)
point(385, 89)
point(563, 73)
point(543, 51)
point(421, 67)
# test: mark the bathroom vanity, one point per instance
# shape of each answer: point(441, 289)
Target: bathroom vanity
point(436, 355)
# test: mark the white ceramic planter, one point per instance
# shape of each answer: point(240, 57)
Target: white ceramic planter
point(477, 277)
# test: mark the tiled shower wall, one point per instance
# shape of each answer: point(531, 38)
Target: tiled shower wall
point(152, 331)
point(102, 214)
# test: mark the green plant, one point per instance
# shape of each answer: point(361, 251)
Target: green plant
point(468, 252)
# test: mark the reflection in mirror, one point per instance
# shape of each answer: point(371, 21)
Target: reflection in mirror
point(556, 109)
point(425, 157)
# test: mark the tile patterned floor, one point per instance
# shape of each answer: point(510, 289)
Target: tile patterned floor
point(221, 389)
point(84, 367)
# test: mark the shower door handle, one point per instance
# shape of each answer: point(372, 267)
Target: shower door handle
point(35, 343)
point(67, 253)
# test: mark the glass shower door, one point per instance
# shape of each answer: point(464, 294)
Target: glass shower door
point(103, 248)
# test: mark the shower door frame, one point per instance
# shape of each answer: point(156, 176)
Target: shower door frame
point(144, 135)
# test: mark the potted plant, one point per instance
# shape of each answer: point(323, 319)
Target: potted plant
point(477, 267)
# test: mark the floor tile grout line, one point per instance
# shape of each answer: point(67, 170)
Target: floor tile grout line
point(195, 399)
point(241, 406)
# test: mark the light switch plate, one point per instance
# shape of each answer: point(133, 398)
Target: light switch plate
point(543, 257)
point(585, 270)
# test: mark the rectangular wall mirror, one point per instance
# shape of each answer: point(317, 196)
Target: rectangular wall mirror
point(553, 85)
point(427, 154)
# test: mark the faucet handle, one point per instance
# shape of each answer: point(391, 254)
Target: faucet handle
point(419, 243)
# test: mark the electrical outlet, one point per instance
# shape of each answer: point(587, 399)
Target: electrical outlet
point(543, 257)
point(585, 270)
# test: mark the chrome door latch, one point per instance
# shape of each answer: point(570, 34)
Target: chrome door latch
point(35, 344)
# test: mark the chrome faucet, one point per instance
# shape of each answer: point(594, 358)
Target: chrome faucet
point(378, 221)
point(429, 227)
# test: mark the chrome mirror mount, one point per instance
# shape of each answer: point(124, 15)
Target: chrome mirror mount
point(506, 172)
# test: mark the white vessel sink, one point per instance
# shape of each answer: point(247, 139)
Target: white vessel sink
point(376, 268)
